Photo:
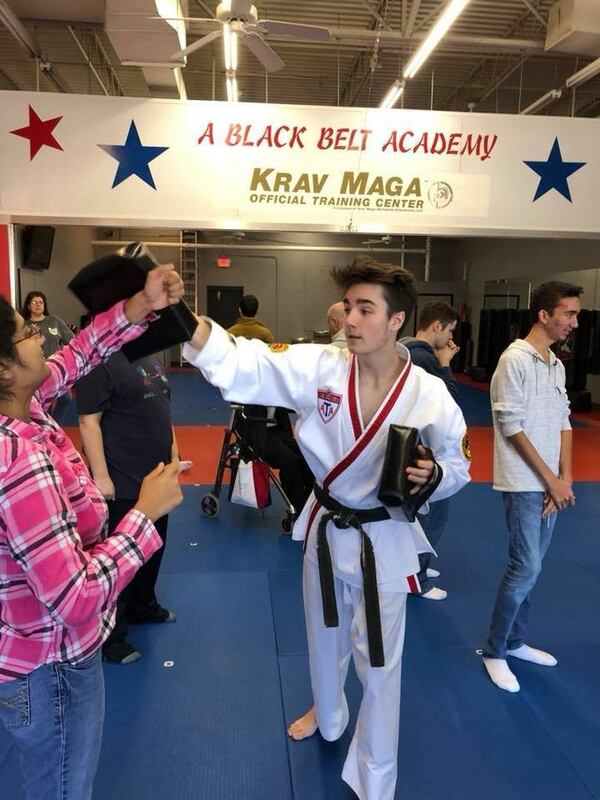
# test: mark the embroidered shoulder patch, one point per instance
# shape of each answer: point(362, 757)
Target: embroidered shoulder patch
point(328, 404)
point(278, 347)
point(465, 446)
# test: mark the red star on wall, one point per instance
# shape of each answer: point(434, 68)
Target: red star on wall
point(39, 133)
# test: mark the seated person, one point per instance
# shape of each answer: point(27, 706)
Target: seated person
point(274, 443)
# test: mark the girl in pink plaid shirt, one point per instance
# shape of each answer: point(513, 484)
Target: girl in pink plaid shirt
point(59, 579)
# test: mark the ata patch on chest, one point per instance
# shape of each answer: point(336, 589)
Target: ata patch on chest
point(328, 404)
point(278, 347)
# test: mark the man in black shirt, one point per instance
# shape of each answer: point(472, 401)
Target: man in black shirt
point(126, 430)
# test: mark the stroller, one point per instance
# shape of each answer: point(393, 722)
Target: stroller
point(236, 445)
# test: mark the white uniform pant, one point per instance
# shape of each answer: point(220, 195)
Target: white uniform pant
point(371, 764)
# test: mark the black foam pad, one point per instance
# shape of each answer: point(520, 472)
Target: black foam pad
point(102, 283)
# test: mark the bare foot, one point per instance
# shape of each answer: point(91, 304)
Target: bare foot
point(305, 726)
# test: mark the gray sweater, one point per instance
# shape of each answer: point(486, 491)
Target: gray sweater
point(56, 334)
point(527, 395)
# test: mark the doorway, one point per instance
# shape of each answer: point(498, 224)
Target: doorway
point(222, 304)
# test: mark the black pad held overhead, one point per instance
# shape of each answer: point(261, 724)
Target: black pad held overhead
point(107, 280)
point(104, 282)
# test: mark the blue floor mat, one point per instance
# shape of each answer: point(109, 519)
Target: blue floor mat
point(460, 737)
point(238, 538)
point(568, 705)
point(472, 558)
point(195, 402)
point(475, 405)
point(460, 732)
point(288, 611)
point(210, 726)
point(213, 724)
point(315, 765)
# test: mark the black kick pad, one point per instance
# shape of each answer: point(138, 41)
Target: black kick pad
point(102, 283)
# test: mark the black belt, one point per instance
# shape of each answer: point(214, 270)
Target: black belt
point(344, 517)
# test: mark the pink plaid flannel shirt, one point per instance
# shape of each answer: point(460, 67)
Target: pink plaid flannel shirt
point(58, 580)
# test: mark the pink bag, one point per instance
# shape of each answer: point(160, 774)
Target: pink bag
point(250, 485)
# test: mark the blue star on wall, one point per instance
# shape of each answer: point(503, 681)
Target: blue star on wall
point(554, 173)
point(133, 157)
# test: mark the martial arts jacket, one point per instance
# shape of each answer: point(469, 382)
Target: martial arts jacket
point(321, 383)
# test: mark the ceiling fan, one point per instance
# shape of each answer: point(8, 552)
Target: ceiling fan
point(240, 17)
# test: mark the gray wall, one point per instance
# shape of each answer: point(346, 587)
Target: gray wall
point(293, 286)
point(535, 260)
point(72, 249)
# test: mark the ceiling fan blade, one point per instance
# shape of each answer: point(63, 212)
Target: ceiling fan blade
point(210, 37)
point(203, 20)
point(315, 32)
point(265, 54)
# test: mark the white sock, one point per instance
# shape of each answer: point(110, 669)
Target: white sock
point(435, 593)
point(500, 673)
point(527, 653)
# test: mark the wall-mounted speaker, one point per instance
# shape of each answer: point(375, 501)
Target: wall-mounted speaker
point(37, 246)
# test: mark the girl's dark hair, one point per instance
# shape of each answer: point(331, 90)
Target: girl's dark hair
point(25, 312)
point(8, 351)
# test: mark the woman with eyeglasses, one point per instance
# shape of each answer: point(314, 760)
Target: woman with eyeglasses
point(56, 332)
point(59, 579)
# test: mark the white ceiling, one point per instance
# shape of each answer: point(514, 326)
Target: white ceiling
point(494, 57)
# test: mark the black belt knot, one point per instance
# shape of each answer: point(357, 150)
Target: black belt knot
point(344, 518)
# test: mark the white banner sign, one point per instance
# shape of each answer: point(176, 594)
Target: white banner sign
point(126, 161)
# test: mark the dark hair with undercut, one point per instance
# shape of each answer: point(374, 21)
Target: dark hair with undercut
point(249, 305)
point(548, 295)
point(8, 351)
point(397, 283)
point(437, 312)
point(26, 311)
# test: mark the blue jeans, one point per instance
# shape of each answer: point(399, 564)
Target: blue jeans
point(529, 537)
point(433, 525)
point(54, 717)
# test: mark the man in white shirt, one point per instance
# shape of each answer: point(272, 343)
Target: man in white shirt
point(532, 468)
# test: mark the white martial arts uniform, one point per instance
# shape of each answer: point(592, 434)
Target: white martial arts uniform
point(321, 384)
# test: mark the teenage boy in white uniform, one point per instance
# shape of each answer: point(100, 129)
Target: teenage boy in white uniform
point(346, 400)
